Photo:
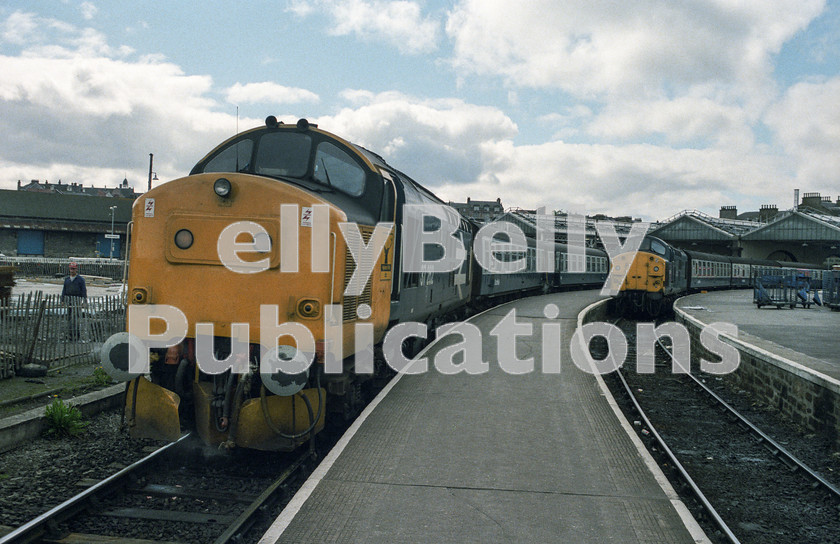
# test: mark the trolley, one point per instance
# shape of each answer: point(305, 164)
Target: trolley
point(782, 289)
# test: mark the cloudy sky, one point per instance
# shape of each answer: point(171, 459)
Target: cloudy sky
point(591, 106)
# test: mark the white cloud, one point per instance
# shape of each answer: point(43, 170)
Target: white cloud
point(18, 28)
point(400, 24)
point(807, 124)
point(88, 10)
point(78, 107)
point(458, 150)
point(644, 180)
point(646, 48)
point(433, 141)
point(269, 92)
point(685, 120)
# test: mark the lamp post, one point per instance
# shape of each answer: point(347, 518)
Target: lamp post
point(151, 161)
point(111, 254)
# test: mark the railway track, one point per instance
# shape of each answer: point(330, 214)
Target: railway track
point(176, 494)
point(746, 486)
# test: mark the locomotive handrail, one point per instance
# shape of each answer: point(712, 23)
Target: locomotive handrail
point(334, 268)
point(128, 228)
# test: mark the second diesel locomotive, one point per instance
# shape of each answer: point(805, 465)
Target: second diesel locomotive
point(251, 247)
point(658, 273)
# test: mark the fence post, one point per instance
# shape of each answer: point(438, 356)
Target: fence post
point(37, 328)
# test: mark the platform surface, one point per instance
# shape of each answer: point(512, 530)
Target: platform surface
point(808, 336)
point(490, 457)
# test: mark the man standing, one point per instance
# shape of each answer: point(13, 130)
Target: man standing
point(74, 294)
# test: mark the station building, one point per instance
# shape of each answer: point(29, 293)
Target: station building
point(808, 233)
point(481, 211)
point(63, 220)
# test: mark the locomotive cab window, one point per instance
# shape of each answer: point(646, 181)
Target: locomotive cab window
point(283, 154)
point(657, 247)
point(236, 158)
point(335, 168)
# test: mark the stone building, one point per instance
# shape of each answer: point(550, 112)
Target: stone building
point(35, 186)
point(481, 211)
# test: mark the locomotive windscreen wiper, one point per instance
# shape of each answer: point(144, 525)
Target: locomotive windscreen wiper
point(326, 173)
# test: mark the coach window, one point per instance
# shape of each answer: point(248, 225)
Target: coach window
point(336, 168)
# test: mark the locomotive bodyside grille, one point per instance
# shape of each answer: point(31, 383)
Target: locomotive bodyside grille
point(350, 302)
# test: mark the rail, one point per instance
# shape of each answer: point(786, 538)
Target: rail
point(672, 458)
point(34, 530)
point(777, 449)
point(46, 525)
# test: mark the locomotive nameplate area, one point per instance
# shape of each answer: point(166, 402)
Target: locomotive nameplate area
point(206, 230)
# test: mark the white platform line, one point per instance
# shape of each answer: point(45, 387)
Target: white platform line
point(688, 520)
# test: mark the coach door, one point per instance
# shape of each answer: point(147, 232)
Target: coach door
point(390, 212)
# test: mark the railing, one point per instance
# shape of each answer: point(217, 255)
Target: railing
point(49, 267)
point(41, 329)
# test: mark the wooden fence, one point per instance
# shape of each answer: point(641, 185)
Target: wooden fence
point(38, 328)
point(39, 267)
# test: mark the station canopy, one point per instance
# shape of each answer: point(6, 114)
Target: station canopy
point(797, 226)
point(692, 225)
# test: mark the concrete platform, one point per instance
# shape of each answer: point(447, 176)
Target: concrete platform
point(491, 457)
point(806, 336)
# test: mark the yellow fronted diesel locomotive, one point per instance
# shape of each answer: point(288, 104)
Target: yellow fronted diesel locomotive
point(254, 236)
point(655, 275)
point(658, 273)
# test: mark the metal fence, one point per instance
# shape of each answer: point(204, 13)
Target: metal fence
point(44, 267)
point(38, 328)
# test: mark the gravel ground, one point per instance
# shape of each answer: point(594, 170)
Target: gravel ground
point(759, 498)
point(43, 473)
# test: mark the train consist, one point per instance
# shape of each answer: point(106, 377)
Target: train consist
point(288, 244)
point(659, 273)
point(252, 246)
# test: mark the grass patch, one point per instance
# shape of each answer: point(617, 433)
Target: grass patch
point(100, 377)
point(64, 419)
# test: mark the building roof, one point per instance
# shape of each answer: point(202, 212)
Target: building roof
point(39, 209)
point(123, 190)
point(528, 222)
point(798, 226)
point(729, 227)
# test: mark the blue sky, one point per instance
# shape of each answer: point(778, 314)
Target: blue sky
point(628, 108)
